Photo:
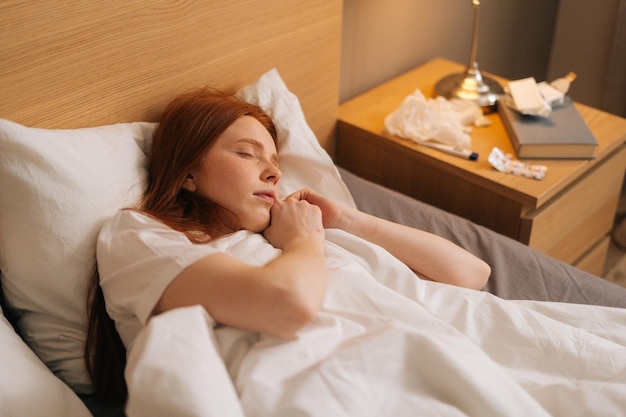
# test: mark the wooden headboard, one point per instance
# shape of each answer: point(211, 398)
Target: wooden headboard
point(79, 63)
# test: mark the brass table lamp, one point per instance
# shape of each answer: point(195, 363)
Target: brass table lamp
point(471, 84)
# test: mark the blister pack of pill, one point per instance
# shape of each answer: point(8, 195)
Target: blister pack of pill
point(507, 164)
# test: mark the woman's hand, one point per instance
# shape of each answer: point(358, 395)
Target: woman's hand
point(294, 218)
point(333, 215)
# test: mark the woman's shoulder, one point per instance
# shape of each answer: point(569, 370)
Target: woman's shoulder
point(130, 218)
point(128, 226)
point(126, 223)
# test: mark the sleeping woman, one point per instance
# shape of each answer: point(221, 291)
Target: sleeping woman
point(213, 171)
point(324, 299)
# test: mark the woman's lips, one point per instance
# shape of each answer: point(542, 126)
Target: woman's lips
point(268, 196)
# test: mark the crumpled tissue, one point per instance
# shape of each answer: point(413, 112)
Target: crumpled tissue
point(435, 119)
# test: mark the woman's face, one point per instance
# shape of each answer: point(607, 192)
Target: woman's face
point(239, 173)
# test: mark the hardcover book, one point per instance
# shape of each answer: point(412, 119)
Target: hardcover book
point(563, 135)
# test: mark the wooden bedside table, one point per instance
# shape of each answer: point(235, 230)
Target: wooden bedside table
point(568, 215)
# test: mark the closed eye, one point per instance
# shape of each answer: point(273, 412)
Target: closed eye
point(246, 152)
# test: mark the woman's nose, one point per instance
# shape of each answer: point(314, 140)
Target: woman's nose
point(272, 174)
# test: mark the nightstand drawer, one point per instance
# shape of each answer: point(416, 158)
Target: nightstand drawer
point(579, 215)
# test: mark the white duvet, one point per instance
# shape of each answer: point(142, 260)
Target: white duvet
point(385, 344)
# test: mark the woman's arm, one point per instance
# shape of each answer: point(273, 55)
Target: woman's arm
point(278, 298)
point(430, 256)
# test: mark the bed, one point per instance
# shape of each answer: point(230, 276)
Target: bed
point(81, 86)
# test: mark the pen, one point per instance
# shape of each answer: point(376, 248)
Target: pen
point(453, 150)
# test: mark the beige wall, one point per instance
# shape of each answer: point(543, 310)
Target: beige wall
point(384, 38)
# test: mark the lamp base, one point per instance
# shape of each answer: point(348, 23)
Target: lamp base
point(471, 85)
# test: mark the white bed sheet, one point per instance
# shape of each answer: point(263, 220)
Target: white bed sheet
point(386, 343)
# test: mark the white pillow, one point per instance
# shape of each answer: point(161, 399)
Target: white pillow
point(27, 387)
point(58, 187)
